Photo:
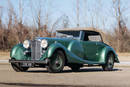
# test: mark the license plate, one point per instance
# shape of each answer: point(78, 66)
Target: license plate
point(27, 64)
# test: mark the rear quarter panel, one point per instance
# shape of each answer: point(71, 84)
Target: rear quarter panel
point(103, 51)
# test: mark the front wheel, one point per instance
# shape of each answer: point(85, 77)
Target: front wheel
point(109, 63)
point(18, 68)
point(57, 62)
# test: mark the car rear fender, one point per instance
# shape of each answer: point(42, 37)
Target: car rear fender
point(106, 51)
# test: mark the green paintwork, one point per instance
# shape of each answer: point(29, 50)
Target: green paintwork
point(76, 51)
point(17, 52)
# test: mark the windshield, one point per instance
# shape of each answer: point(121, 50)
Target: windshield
point(68, 34)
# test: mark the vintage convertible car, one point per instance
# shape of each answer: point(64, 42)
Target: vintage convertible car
point(73, 48)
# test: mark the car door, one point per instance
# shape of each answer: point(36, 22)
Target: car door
point(90, 46)
point(90, 50)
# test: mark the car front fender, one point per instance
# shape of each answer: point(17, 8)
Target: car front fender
point(71, 57)
point(53, 47)
point(17, 52)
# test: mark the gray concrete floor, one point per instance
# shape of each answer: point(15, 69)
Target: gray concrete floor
point(87, 77)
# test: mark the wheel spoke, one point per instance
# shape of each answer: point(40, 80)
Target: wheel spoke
point(110, 63)
point(57, 62)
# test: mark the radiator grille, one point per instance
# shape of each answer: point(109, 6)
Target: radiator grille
point(36, 50)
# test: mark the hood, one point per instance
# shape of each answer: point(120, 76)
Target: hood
point(63, 41)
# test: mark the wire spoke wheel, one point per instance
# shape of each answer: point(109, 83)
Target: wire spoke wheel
point(109, 63)
point(56, 64)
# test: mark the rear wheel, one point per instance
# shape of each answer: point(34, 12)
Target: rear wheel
point(18, 68)
point(57, 62)
point(109, 63)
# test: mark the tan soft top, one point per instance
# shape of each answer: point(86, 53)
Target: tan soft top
point(77, 29)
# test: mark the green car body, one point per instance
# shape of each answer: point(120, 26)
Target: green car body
point(76, 51)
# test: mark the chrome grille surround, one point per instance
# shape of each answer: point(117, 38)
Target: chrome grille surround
point(36, 49)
